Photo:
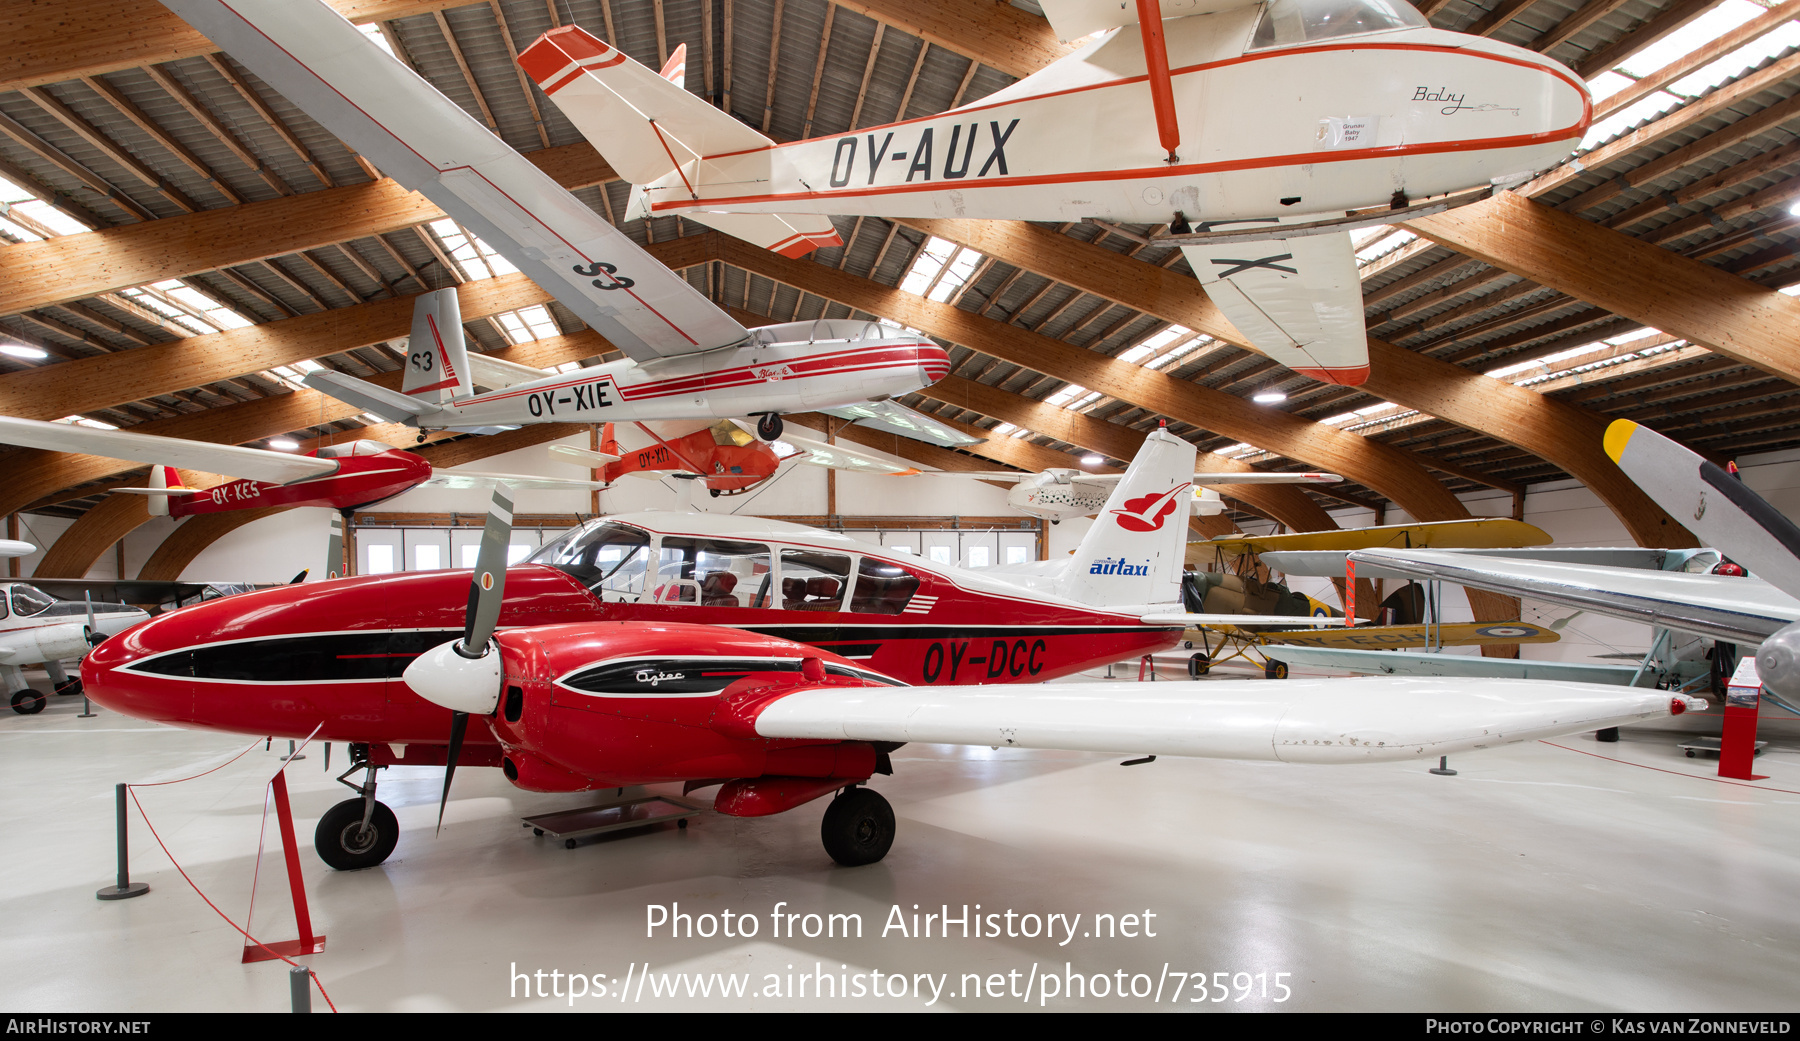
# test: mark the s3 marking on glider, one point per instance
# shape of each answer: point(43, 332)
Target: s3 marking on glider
point(1258, 133)
point(685, 357)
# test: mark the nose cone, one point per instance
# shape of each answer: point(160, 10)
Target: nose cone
point(108, 681)
point(1517, 95)
point(934, 363)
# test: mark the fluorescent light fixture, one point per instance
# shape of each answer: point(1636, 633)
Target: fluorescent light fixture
point(19, 350)
point(1268, 397)
point(284, 444)
point(1092, 460)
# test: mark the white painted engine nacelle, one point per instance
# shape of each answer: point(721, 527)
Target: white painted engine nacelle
point(45, 643)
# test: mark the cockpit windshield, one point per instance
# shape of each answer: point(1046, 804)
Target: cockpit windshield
point(1289, 22)
point(605, 556)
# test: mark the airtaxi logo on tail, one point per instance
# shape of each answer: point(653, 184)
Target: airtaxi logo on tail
point(1148, 512)
point(1118, 566)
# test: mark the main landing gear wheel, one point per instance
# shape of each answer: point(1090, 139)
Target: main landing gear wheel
point(858, 827)
point(26, 702)
point(345, 844)
point(1275, 670)
point(1199, 665)
point(769, 427)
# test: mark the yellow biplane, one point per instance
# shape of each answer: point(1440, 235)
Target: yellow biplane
point(1229, 576)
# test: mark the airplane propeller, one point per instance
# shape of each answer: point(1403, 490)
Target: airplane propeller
point(1726, 514)
point(91, 633)
point(464, 675)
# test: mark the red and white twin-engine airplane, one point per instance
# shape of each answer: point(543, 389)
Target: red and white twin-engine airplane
point(1254, 130)
point(685, 357)
point(779, 662)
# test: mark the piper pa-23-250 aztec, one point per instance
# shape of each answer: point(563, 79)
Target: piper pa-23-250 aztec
point(1298, 114)
point(772, 660)
point(685, 357)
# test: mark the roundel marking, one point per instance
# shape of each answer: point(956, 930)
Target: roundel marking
point(1507, 630)
point(487, 581)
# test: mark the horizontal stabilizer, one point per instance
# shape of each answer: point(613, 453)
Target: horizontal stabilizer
point(390, 405)
point(789, 234)
point(1358, 720)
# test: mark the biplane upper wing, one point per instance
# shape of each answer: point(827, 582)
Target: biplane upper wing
point(1476, 533)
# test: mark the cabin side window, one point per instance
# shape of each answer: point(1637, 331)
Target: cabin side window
point(1287, 22)
point(712, 573)
point(813, 580)
point(882, 588)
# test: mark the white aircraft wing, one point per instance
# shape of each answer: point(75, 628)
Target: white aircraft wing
point(1202, 621)
point(586, 457)
point(1231, 478)
point(1721, 607)
point(426, 142)
point(1073, 19)
point(16, 548)
point(1329, 563)
point(1297, 300)
point(1296, 720)
point(257, 464)
point(836, 457)
point(478, 479)
point(1406, 663)
point(898, 419)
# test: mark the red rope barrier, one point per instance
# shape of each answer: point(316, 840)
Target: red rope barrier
point(1665, 770)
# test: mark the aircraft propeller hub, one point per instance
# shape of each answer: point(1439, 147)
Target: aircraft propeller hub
point(446, 678)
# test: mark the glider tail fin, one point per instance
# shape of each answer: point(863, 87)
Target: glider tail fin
point(437, 359)
point(656, 133)
point(1133, 553)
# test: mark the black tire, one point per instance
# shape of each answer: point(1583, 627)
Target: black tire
point(769, 427)
point(27, 702)
point(569, 843)
point(858, 828)
point(70, 688)
point(1690, 754)
point(1275, 670)
point(340, 841)
point(1199, 665)
point(1607, 734)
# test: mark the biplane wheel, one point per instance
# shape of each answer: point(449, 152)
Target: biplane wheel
point(1275, 670)
point(26, 702)
point(1199, 665)
point(858, 827)
point(343, 843)
point(769, 427)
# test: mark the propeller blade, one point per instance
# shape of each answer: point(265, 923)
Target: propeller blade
point(1712, 503)
point(93, 630)
point(459, 722)
point(334, 547)
point(488, 585)
point(301, 577)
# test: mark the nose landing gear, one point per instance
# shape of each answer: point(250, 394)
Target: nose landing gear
point(360, 832)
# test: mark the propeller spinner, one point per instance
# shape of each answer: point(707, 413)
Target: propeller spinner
point(464, 675)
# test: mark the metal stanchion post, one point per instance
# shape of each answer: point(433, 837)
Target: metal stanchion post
point(125, 888)
point(87, 710)
point(300, 988)
point(1442, 769)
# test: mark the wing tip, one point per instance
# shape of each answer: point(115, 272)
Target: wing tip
point(1618, 435)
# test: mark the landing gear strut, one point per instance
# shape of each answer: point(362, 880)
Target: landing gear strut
point(769, 426)
point(858, 827)
point(360, 832)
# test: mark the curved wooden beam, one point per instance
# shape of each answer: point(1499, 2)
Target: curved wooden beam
point(77, 549)
point(193, 535)
point(74, 267)
point(1558, 431)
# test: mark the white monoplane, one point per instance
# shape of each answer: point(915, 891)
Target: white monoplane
point(1297, 115)
point(1059, 493)
point(686, 358)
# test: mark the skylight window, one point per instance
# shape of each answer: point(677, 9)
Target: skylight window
point(940, 269)
point(1692, 36)
point(1384, 245)
point(30, 214)
point(373, 32)
point(528, 325)
point(476, 258)
point(1748, 56)
point(1631, 115)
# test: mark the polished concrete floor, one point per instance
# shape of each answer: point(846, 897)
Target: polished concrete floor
point(1575, 876)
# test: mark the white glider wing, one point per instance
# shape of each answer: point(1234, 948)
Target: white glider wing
point(478, 479)
point(1721, 607)
point(422, 139)
point(896, 418)
point(1297, 300)
point(257, 464)
point(1231, 478)
point(1297, 720)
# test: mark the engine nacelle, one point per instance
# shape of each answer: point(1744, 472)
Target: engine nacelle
point(46, 643)
point(1778, 663)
